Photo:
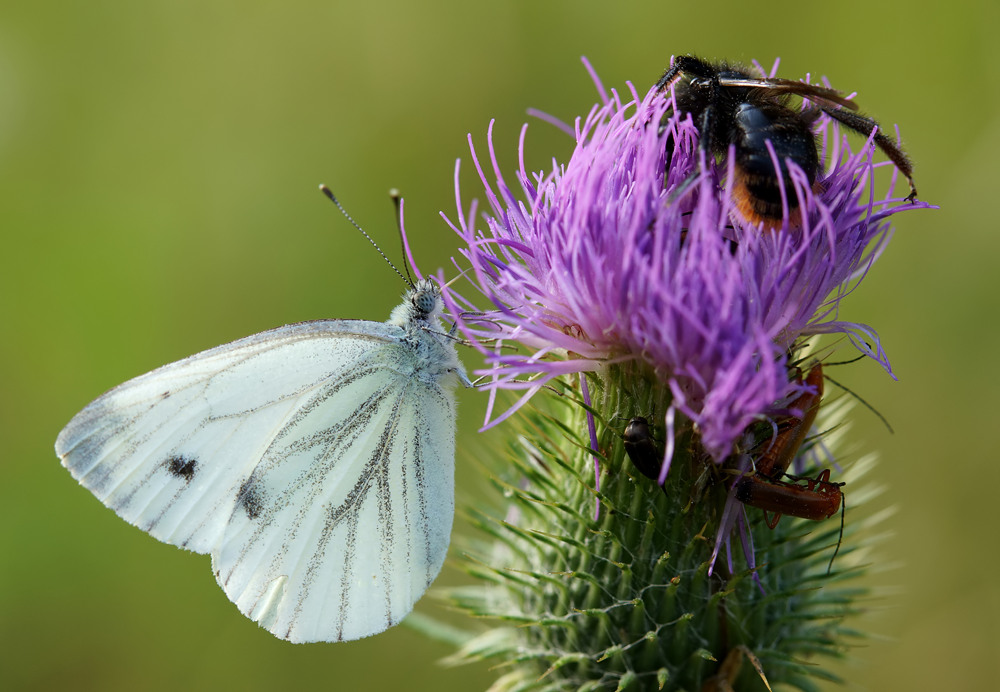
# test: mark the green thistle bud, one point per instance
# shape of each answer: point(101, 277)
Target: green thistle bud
point(626, 601)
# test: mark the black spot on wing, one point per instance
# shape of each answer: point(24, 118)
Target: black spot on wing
point(250, 499)
point(182, 467)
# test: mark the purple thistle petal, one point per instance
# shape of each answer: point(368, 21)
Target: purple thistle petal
point(408, 254)
point(732, 513)
point(668, 455)
point(592, 429)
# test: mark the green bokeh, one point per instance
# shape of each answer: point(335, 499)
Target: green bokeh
point(158, 171)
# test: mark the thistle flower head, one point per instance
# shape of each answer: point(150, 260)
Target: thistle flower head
point(634, 250)
point(633, 265)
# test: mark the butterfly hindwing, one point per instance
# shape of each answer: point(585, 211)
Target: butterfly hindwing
point(366, 528)
point(269, 452)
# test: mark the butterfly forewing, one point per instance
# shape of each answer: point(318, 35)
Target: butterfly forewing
point(314, 462)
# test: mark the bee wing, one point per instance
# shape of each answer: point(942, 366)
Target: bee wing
point(812, 92)
point(278, 455)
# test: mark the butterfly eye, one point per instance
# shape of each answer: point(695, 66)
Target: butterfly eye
point(425, 301)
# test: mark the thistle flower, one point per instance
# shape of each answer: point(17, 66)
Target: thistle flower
point(603, 260)
point(630, 266)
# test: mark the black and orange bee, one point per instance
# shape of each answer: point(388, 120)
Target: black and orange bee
point(731, 106)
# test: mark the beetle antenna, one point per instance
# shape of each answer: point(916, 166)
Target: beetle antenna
point(864, 403)
point(843, 510)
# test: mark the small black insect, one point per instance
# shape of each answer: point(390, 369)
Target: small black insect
point(730, 105)
point(645, 454)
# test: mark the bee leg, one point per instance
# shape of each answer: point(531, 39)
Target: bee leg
point(810, 114)
point(864, 125)
point(670, 76)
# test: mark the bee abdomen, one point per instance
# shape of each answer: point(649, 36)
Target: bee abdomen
point(758, 196)
point(757, 189)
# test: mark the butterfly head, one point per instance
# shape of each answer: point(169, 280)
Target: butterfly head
point(425, 298)
point(422, 303)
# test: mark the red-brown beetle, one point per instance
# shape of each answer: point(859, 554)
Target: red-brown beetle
point(771, 489)
point(817, 499)
point(767, 489)
point(792, 431)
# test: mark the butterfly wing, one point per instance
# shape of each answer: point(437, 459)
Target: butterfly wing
point(315, 462)
point(367, 543)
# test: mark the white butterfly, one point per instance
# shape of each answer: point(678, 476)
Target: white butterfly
point(314, 462)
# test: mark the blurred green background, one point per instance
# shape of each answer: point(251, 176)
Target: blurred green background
point(158, 171)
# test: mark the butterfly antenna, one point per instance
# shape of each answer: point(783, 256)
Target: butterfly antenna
point(396, 201)
point(329, 193)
